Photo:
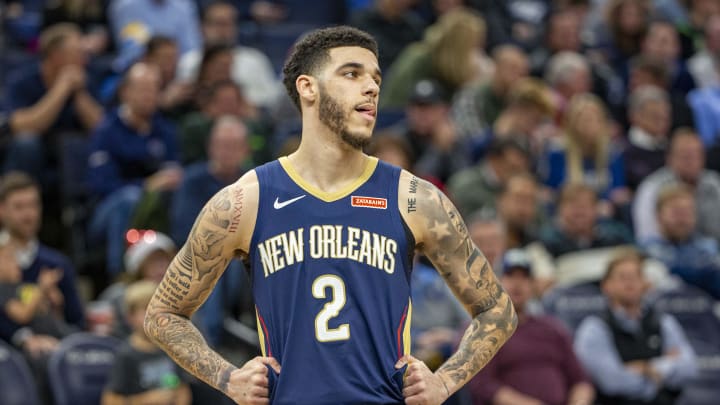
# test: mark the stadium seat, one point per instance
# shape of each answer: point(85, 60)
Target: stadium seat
point(79, 369)
point(694, 310)
point(17, 385)
point(571, 304)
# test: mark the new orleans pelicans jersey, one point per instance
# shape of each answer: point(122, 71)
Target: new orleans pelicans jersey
point(330, 275)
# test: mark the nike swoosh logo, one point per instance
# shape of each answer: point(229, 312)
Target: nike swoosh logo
point(277, 205)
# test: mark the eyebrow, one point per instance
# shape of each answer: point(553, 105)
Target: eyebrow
point(357, 65)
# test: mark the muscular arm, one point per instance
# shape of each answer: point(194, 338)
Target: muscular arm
point(442, 236)
point(221, 230)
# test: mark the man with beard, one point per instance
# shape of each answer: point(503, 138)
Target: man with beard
point(329, 234)
point(20, 213)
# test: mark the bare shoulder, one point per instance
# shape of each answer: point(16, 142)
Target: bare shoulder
point(426, 210)
point(233, 210)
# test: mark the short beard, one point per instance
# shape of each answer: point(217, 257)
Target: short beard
point(333, 116)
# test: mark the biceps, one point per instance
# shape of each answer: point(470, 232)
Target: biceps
point(189, 280)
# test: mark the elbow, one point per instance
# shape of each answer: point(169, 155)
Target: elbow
point(150, 324)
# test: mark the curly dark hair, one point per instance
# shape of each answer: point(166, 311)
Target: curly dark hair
point(312, 51)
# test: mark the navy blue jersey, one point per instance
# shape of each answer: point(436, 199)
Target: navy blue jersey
point(330, 275)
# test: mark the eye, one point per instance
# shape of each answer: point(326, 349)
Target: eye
point(351, 74)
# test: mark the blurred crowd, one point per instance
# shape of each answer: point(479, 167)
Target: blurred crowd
point(579, 139)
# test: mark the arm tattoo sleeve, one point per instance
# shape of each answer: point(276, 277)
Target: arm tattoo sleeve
point(187, 283)
point(470, 276)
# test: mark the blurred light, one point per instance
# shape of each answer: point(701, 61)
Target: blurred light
point(132, 236)
point(149, 236)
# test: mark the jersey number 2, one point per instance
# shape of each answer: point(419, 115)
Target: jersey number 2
point(323, 332)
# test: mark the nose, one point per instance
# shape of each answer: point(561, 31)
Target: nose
point(371, 88)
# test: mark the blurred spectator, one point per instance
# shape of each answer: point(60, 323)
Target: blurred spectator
point(519, 22)
point(163, 53)
point(223, 98)
point(529, 106)
point(228, 158)
point(705, 104)
point(147, 259)
point(142, 373)
point(587, 154)
point(562, 35)
point(307, 12)
point(685, 163)
point(431, 132)
point(134, 22)
point(133, 149)
point(394, 26)
point(694, 258)
point(437, 316)
point(662, 44)
point(477, 105)
point(537, 365)
point(647, 139)
point(488, 233)
point(646, 71)
point(37, 307)
point(578, 226)
point(626, 22)
point(567, 74)
point(251, 69)
point(691, 33)
point(477, 188)
point(20, 214)
point(634, 354)
point(89, 15)
point(450, 53)
point(704, 64)
point(517, 206)
point(392, 148)
point(48, 99)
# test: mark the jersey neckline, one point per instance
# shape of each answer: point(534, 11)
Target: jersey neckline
point(370, 166)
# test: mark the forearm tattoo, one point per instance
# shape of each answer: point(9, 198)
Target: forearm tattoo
point(187, 283)
point(470, 276)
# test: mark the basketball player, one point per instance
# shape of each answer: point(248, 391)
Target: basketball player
point(329, 235)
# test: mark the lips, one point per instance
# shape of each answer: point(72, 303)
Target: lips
point(368, 110)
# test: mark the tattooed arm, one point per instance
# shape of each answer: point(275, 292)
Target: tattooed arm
point(222, 231)
point(442, 236)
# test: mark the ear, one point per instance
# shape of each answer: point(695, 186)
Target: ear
point(307, 88)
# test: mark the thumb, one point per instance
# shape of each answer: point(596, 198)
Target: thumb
point(406, 359)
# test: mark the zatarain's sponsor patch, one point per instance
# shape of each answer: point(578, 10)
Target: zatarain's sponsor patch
point(368, 202)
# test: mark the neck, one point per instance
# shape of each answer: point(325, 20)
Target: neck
point(633, 310)
point(134, 120)
point(19, 240)
point(326, 161)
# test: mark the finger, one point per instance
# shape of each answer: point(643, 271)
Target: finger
point(270, 361)
point(257, 366)
point(411, 379)
point(415, 368)
point(261, 392)
point(259, 401)
point(406, 359)
point(410, 390)
point(259, 380)
point(414, 400)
